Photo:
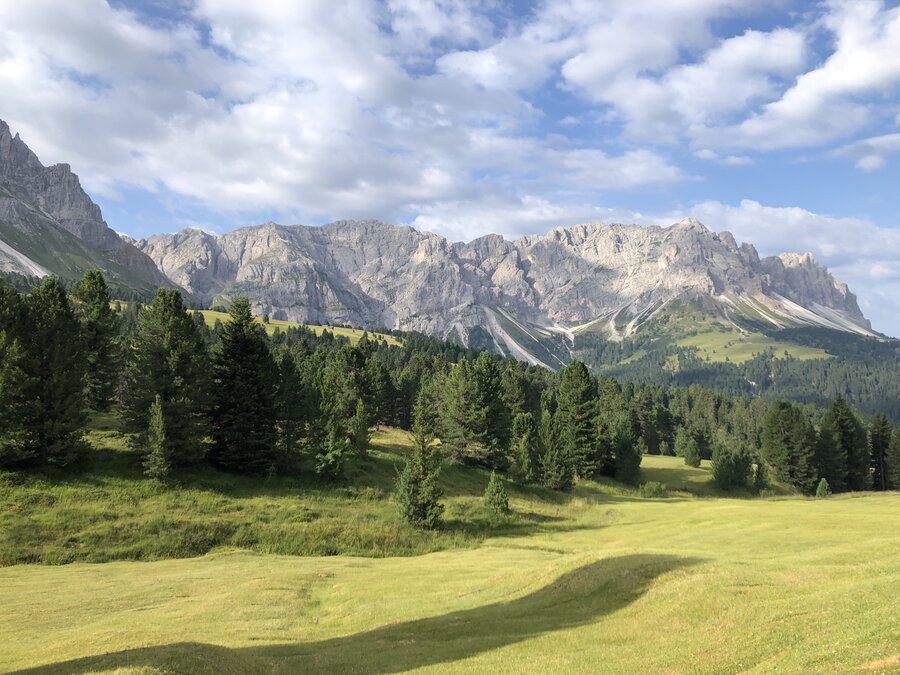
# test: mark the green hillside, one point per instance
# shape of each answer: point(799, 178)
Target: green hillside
point(694, 582)
point(66, 256)
point(352, 334)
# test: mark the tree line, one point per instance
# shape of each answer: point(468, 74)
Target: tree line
point(296, 401)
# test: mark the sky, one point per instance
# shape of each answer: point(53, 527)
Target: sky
point(777, 121)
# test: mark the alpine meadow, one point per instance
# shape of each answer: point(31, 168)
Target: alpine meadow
point(438, 336)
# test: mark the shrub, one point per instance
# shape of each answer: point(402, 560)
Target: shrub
point(824, 490)
point(654, 489)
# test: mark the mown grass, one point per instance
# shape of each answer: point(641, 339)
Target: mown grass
point(352, 334)
point(597, 581)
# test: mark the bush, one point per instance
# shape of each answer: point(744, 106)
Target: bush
point(654, 489)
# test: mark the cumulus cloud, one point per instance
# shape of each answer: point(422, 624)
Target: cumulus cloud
point(871, 153)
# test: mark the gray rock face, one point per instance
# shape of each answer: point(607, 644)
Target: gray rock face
point(37, 201)
point(373, 274)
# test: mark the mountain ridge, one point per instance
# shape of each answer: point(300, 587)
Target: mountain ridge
point(608, 277)
point(50, 225)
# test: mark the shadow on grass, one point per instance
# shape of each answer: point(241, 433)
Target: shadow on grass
point(577, 598)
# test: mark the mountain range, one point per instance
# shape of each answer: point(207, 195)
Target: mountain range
point(608, 279)
point(530, 297)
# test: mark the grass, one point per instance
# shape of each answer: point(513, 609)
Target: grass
point(353, 334)
point(737, 347)
point(597, 580)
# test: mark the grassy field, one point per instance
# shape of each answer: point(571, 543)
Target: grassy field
point(353, 334)
point(597, 581)
point(737, 347)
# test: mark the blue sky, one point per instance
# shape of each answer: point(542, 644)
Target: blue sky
point(778, 121)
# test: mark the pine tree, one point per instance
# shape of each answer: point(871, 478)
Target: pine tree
point(359, 429)
point(495, 498)
point(879, 442)
point(853, 445)
point(627, 450)
point(157, 462)
point(788, 445)
point(731, 467)
point(686, 446)
point(761, 481)
point(417, 491)
point(830, 457)
point(245, 380)
point(823, 490)
point(292, 410)
point(462, 417)
point(525, 448)
point(17, 386)
point(496, 430)
point(379, 392)
point(557, 466)
point(892, 462)
point(56, 362)
point(167, 357)
point(99, 329)
point(575, 412)
point(332, 450)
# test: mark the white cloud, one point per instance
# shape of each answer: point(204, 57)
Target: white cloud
point(871, 153)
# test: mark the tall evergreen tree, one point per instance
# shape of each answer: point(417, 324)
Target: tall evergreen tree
point(462, 417)
point(557, 466)
point(359, 428)
point(167, 357)
point(157, 462)
point(830, 456)
point(100, 330)
point(575, 412)
point(56, 362)
point(686, 447)
point(417, 491)
point(892, 462)
point(788, 445)
point(851, 437)
point(628, 450)
point(245, 380)
point(292, 409)
point(496, 418)
point(880, 432)
point(17, 385)
point(525, 449)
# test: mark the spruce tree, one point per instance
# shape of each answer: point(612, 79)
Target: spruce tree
point(157, 462)
point(417, 491)
point(686, 447)
point(245, 380)
point(557, 467)
point(575, 412)
point(99, 329)
point(496, 419)
point(853, 443)
point(359, 429)
point(332, 450)
point(17, 386)
point(823, 489)
point(525, 448)
point(761, 481)
point(892, 462)
point(830, 456)
point(167, 357)
point(788, 445)
point(292, 409)
point(628, 450)
point(462, 417)
point(495, 498)
point(56, 362)
point(879, 442)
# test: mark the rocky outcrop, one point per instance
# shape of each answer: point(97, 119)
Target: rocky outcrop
point(372, 274)
point(39, 205)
